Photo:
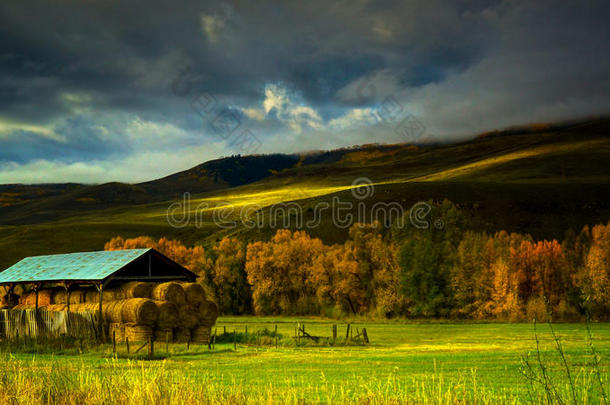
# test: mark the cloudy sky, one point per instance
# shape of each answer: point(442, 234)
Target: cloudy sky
point(95, 91)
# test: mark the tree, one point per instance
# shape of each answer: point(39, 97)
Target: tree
point(279, 270)
point(228, 277)
point(426, 258)
point(594, 279)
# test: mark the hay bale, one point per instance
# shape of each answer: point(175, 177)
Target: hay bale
point(201, 334)
point(140, 311)
point(189, 317)
point(137, 289)
point(208, 313)
point(182, 335)
point(9, 300)
point(164, 334)
point(44, 298)
point(194, 293)
point(138, 333)
point(116, 331)
point(172, 292)
point(168, 314)
point(59, 297)
point(56, 308)
point(77, 297)
point(112, 312)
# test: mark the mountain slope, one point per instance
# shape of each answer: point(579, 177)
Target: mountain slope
point(537, 182)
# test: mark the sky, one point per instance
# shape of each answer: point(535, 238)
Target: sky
point(97, 91)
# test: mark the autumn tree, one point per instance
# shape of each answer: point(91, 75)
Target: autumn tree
point(278, 272)
point(594, 279)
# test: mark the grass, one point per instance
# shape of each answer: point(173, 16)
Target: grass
point(429, 362)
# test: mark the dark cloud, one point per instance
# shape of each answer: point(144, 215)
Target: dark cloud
point(93, 80)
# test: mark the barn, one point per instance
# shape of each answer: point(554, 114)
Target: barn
point(138, 290)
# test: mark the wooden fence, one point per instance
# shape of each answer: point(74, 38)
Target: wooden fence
point(15, 323)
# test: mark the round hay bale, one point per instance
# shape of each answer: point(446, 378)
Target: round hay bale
point(189, 317)
point(141, 311)
point(164, 335)
point(59, 297)
point(9, 300)
point(137, 289)
point(76, 296)
point(195, 294)
point(92, 296)
point(112, 312)
point(55, 308)
point(208, 313)
point(116, 331)
point(44, 298)
point(201, 334)
point(168, 314)
point(182, 335)
point(138, 333)
point(172, 292)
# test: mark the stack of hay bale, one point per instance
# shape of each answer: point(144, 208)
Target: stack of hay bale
point(177, 312)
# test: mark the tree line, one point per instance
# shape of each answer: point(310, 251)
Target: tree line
point(449, 271)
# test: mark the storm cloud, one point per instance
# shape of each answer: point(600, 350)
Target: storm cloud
point(129, 91)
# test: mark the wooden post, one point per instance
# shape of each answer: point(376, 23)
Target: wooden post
point(365, 336)
point(36, 292)
point(275, 331)
point(114, 341)
point(347, 333)
point(67, 288)
point(127, 344)
point(224, 330)
point(234, 340)
point(334, 333)
point(167, 342)
point(246, 329)
point(100, 328)
point(151, 348)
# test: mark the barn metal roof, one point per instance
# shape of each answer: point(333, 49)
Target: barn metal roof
point(86, 266)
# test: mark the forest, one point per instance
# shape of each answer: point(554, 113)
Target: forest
point(453, 272)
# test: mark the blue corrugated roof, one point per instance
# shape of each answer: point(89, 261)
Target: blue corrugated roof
point(92, 266)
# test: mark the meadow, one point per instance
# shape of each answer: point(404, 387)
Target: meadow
point(405, 362)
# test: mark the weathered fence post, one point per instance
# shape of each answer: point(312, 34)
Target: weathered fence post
point(365, 336)
point(234, 340)
point(127, 344)
point(114, 341)
point(334, 333)
point(167, 342)
point(347, 333)
point(151, 348)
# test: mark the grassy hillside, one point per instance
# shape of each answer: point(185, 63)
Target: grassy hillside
point(537, 182)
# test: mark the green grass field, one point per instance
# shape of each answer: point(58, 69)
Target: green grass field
point(405, 362)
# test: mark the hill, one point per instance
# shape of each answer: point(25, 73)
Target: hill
point(540, 181)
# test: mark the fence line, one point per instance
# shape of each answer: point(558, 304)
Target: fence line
point(15, 323)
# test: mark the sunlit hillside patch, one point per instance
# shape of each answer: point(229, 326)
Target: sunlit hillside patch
point(467, 169)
